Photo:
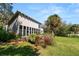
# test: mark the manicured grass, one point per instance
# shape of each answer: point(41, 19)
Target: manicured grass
point(64, 46)
point(22, 49)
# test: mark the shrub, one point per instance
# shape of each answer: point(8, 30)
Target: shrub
point(5, 36)
point(44, 40)
point(48, 38)
point(32, 38)
point(12, 35)
point(37, 39)
point(18, 36)
point(41, 40)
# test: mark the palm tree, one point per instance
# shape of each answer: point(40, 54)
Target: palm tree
point(53, 23)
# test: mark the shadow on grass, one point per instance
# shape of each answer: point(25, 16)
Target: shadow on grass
point(20, 51)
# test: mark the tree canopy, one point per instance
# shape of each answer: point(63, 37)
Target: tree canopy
point(74, 28)
point(5, 12)
point(52, 23)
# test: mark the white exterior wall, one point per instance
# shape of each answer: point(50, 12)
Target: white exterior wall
point(24, 22)
point(10, 27)
point(27, 22)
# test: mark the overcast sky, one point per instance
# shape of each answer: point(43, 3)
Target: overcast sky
point(40, 12)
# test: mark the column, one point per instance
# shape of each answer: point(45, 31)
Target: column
point(22, 30)
point(26, 31)
point(18, 29)
point(30, 30)
point(36, 31)
point(33, 30)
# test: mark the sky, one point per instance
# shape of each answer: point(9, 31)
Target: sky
point(69, 12)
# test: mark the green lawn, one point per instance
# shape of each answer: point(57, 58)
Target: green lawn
point(64, 46)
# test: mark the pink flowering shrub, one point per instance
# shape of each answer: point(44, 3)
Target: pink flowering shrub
point(48, 39)
point(44, 40)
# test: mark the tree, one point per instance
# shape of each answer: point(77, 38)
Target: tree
point(64, 29)
point(5, 12)
point(74, 28)
point(53, 23)
point(1, 23)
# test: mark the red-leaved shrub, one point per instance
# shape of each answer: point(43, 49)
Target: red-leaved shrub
point(48, 39)
point(44, 40)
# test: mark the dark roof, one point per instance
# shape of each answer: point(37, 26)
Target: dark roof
point(19, 13)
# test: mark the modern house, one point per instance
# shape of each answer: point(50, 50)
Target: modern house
point(24, 25)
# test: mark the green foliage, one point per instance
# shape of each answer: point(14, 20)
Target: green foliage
point(12, 36)
point(52, 23)
point(63, 30)
point(5, 36)
point(54, 20)
point(41, 40)
point(74, 28)
point(32, 38)
point(5, 12)
point(22, 49)
point(18, 36)
point(1, 23)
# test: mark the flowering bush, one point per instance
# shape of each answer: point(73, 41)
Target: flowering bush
point(44, 40)
point(41, 40)
point(48, 39)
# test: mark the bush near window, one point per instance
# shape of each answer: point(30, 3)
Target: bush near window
point(18, 36)
point(5, 36)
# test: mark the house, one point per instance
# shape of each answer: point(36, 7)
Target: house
point(24, 25)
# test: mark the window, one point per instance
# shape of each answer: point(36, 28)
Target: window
point(30, 30)
point(24, 32)
point(39, 26)
point(27, 30)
